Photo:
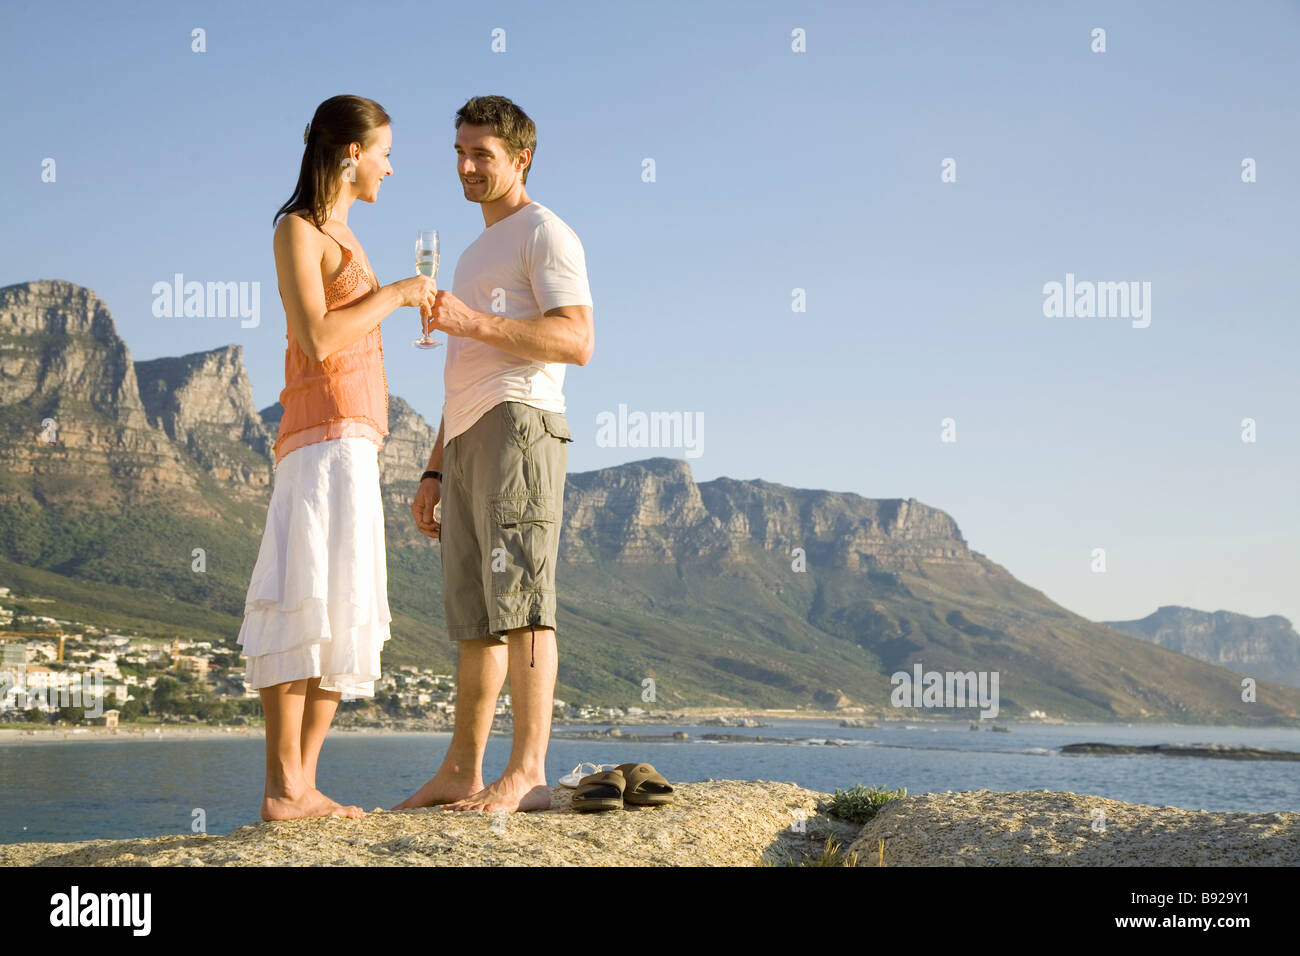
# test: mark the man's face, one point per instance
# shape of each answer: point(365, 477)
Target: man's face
point(485, 168)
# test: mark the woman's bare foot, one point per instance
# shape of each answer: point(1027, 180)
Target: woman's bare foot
point(513, 792)
point(447, 786)
point(308, 803)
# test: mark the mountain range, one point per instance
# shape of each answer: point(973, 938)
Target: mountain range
point(1253, 646)
point(672, 592)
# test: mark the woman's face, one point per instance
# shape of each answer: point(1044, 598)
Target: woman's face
point(367, 170)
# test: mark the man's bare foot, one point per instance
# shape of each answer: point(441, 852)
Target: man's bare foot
point(513, 792)
point(309, 803)
point(447, 786)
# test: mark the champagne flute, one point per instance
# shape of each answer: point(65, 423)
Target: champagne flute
point(426, 264)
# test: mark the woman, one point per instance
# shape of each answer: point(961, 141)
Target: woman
point(316, 616)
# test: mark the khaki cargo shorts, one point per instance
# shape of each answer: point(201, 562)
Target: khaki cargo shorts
point(502, 501)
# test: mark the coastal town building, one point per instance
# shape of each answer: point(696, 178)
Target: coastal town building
point(48, 664)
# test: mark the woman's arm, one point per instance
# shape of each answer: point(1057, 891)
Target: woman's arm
point(318, 331)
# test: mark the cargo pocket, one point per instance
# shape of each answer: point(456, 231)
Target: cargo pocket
point(556, 424)
point(524, 525)
point(511, 510)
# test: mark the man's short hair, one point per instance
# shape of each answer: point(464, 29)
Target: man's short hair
point(508, 122)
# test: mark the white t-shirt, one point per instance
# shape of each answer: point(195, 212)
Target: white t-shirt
point(537, 264)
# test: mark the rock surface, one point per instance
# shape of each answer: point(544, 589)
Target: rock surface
point(1212, 751)
point(715, 823)
point(730, 823)
point(72, 425)
point(204, 401)
point(653, 511)
point(1045, 828)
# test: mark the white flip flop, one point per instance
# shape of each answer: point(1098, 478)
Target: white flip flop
point(571, 778)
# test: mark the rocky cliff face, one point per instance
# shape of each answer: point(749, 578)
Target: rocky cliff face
point(406, 449)
point(204, 402)
point(653, 511)
point(1260, 647)
point(60, 344)
point(645, 511)
point(834, 529)
point(72, 425)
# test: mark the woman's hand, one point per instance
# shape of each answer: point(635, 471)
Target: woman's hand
point(428, 495)
point(417, 291)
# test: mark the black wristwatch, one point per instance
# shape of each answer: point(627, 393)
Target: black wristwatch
point(432, 474)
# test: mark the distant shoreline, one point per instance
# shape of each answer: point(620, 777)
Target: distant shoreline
point(47, 734)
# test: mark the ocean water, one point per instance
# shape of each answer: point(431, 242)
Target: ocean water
point(69, 790)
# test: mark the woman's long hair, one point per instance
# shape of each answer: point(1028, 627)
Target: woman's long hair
point(338, 122)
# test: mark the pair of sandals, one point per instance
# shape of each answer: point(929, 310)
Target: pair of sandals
point(639, 784)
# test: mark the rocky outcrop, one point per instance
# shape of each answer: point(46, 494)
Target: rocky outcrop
point(60, 344)
point(652, 511)
point(204, 401)
point(834, 529)
point(406, 449)
point(716, 823)
point(730, 823)
point(1207, 751)
point(1045, 828)
point(1261, 647)
point(73, 427)
point(643, 511)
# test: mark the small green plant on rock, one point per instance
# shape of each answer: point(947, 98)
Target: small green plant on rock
point(860, 804)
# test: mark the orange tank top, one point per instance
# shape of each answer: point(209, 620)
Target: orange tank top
point(345, 394)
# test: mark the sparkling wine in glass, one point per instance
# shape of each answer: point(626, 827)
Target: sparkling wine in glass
point(426, 264)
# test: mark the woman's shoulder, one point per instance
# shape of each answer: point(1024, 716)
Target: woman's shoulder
point(297, 220)
point(295, 230)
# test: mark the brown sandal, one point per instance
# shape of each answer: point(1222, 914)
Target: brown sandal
point(599, 791)
point(644, 785)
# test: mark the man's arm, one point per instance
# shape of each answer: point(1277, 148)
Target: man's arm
point(435, 457)
point(423, 503)
point(564, 334)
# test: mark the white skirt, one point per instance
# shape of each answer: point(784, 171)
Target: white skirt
point(317, 604)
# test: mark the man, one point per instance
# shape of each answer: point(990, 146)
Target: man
point(520, 309)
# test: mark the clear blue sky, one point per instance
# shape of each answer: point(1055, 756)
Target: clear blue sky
point(775, 170)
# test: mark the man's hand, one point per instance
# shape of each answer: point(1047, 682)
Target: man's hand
point(428, 495)
point(450, 315)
